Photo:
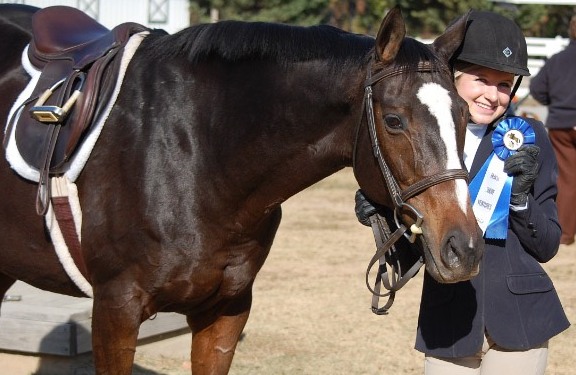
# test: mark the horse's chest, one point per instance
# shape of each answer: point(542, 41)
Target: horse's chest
point(224, 275)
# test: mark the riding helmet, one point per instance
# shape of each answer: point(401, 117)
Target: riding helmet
point(496, 42)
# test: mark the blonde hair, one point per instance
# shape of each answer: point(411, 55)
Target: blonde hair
point(461, 67)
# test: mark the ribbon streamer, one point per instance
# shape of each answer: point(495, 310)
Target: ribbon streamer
point(491, 188)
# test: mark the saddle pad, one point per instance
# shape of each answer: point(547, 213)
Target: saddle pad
point(80, 157)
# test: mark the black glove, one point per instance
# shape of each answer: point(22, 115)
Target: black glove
point(404, 254)
point(364, 208)
point(523, 166)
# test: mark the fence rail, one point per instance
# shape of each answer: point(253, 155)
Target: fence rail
point(540, 49)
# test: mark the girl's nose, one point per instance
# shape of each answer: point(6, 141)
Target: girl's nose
point(491, 93)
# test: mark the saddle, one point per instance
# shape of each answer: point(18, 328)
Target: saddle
point(79, 60)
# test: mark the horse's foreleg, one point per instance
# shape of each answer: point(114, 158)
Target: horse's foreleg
point(214, 340)
point(115, 326)
point(5, 284)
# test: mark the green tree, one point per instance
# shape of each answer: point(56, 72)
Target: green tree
point(428, 18)
point(424, 18)
point(360, 16)
point(298, 12)
point(546, 21)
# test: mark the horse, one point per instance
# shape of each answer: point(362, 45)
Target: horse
point(213, 129)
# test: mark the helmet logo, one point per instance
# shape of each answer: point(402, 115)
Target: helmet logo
point(507, 52)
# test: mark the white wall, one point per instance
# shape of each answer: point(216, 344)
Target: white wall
point(114, 12)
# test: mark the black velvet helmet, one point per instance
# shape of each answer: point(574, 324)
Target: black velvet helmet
point(496, 42)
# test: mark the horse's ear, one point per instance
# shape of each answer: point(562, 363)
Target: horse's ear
point(390, 36)
point(449, 42)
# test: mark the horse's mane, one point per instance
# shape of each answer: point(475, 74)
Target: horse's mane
point(233, 41)
point(238, 41)
point(412, 52)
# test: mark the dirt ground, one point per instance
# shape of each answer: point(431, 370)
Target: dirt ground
point(311, 313)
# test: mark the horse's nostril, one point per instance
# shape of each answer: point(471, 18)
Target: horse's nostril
point(450, 254)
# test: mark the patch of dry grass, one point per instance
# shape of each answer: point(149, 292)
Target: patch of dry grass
point(311, 312)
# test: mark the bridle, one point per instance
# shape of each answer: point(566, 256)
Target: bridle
point(384, 237)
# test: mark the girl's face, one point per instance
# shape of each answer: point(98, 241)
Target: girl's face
point(487, 92)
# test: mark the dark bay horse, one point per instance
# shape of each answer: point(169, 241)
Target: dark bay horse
point(214, 127)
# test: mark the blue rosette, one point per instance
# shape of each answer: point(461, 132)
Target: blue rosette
point(509, 135)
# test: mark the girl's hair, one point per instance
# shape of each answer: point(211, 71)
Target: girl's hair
point(462, 67)
point(572, 28)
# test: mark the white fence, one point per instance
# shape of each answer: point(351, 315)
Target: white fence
point(540, 49)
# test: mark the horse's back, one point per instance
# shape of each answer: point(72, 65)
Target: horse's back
point(18, 15)
point(15, 34)
point(16, 31)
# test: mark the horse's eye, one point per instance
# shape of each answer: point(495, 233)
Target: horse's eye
point(393, 122)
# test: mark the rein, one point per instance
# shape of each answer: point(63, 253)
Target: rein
point(384, 237)
point(394, 280)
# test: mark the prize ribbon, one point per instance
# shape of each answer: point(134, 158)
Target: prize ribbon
point(491, 188)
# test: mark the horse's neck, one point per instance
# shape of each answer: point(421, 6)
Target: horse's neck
point(262, 138)
point(299, 163)
point(315, 139)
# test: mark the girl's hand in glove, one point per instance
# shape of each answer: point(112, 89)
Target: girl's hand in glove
point(523, 166)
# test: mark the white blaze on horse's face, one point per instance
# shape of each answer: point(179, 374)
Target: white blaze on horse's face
point(438, 101)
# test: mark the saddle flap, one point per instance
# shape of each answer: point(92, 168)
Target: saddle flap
point(32, 136)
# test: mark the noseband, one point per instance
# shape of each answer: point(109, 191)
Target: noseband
point(385, 239)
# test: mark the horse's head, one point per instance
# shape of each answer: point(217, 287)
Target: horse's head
point(415, 122)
